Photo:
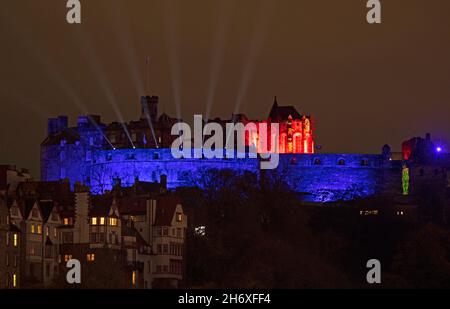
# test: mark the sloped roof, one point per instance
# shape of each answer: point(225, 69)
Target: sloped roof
point(165, 210)
point(14, 228)
point(59, 191)
point(25, 206)
point(46, 208)
point(283, 112)
point(142, 188)
point(133, 206)
point(101, 205)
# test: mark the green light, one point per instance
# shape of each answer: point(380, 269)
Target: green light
point(405, 180)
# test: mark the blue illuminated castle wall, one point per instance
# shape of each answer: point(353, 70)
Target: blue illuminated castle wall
point(80, 154)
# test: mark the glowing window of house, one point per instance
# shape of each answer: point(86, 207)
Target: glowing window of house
point(55, 233)
point(66, 221)
point(113, 221)
point(39, 229)
point(32, 229)
point(133, 278)
point(94, 221)
point(305, 146)
point(47, 231)
point(91, 257)
point(67, 257)
point(15, 240)
point(102, 221)
point(14, 280)
point(179, 217)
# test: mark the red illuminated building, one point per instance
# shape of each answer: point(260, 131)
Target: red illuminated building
point(295, 130)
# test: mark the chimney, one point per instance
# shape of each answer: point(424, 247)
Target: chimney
point(163, 181)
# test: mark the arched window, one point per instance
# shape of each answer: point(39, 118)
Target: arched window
point(317, 161)
point(341, 162)
point(364, 162)
point(297, 143)
point(283, 140)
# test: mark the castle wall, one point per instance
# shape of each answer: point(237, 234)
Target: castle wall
point(317, 177)
point(331, 177)
point(149, 164)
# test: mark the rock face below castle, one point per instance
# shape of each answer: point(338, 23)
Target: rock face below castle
point(99, 155)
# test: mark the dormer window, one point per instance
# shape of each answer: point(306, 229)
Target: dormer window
point(94, 221)
point(179, 217)
point(102, 221)
point(341, 162)
point(34, 213)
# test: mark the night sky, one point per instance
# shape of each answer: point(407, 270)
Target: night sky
point(365, 85)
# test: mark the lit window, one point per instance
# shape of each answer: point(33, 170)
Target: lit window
point(91, 257)
point(66, 221)
point(15, 240)
point(32, 229)
point(133, 278)
point(39, 229)
point(94, 221)
point(67, 257)
point(102, 221)
point(55, 233)
point(47, 231)
point(113, 221)
point(14, 280)
point(179, 217)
